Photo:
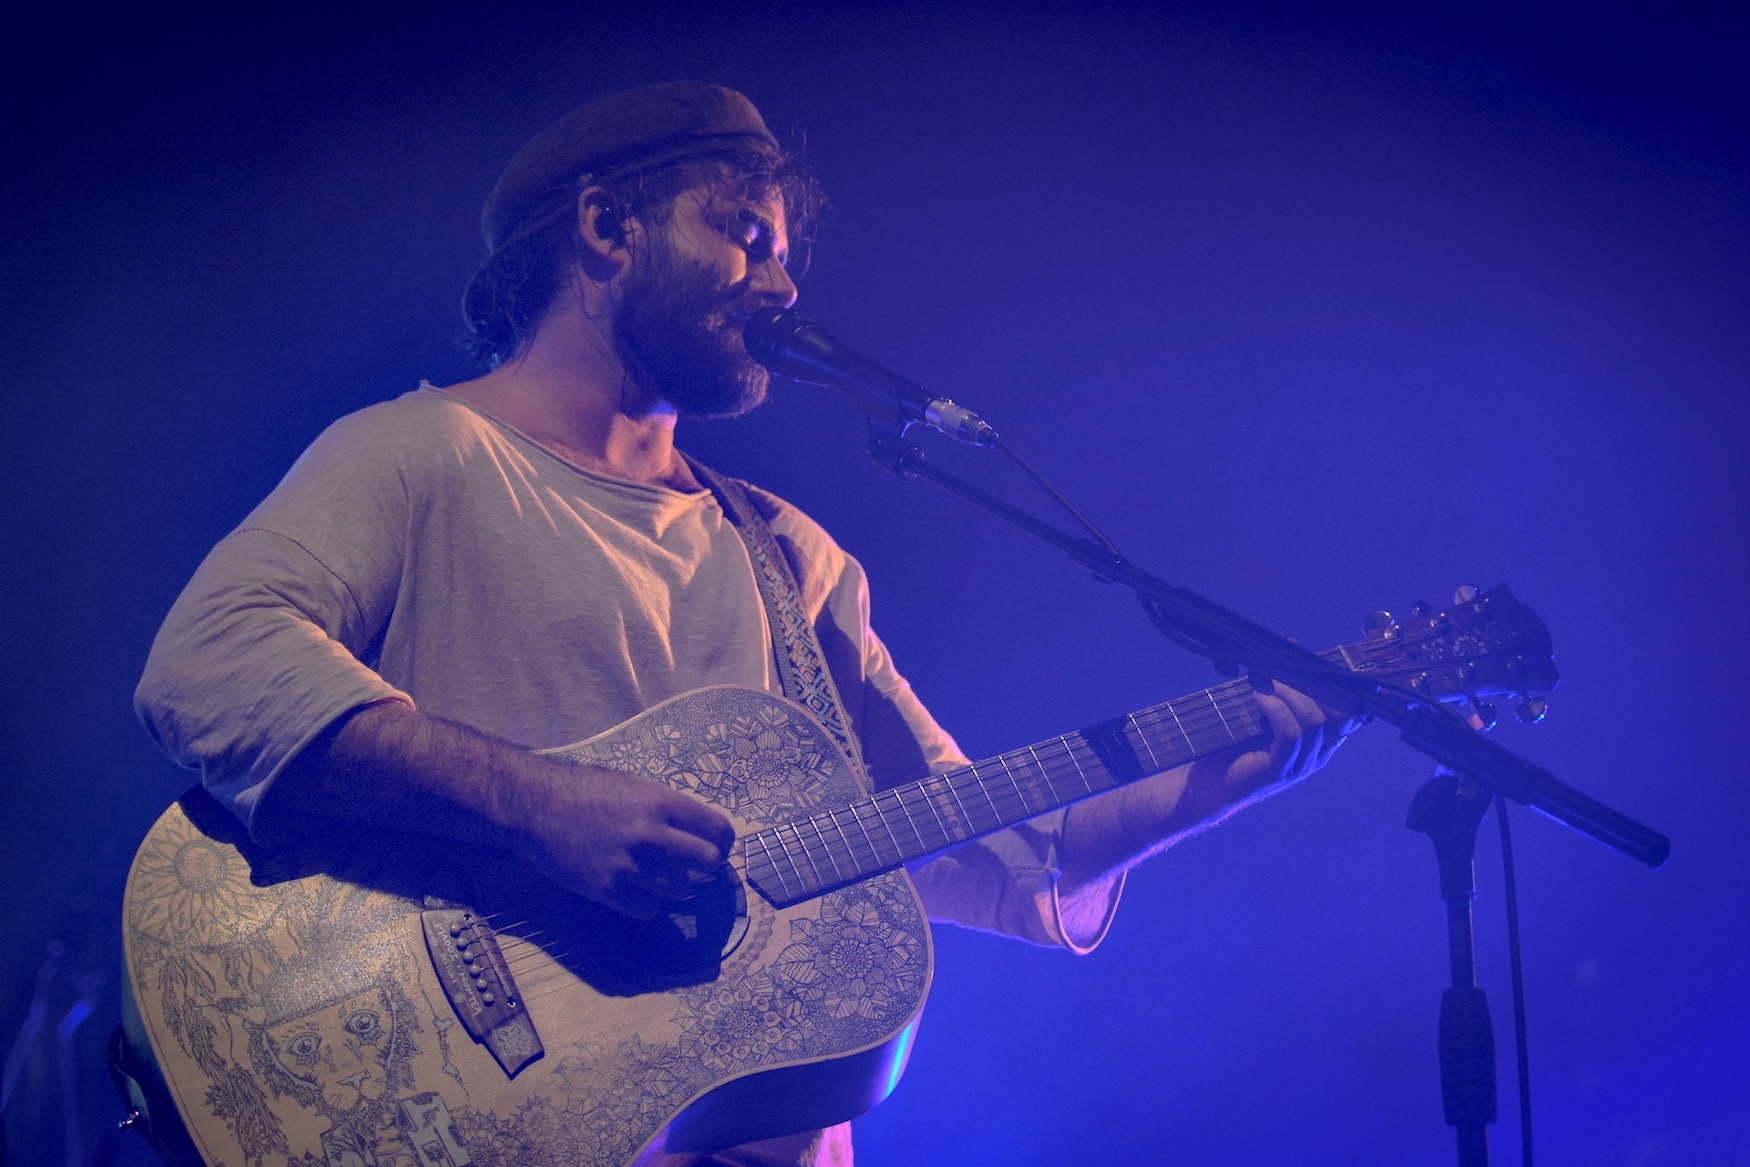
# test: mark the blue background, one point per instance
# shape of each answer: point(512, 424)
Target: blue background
point(1316, 314)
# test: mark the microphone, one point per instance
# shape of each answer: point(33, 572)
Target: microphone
point(796, 347)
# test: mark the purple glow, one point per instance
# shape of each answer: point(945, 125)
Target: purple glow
point(1314, 314)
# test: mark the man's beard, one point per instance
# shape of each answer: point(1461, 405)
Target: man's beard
point(671, 332)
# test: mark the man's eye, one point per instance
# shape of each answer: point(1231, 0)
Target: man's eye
point(754, 237)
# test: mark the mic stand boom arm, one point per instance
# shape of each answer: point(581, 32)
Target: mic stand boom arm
point(1227, 637)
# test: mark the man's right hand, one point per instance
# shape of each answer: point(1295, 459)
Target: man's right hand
point(625, 841)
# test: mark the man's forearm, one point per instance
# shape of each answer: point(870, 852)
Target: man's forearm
point(1118, 830)
point(387, 762)
point(623, 840)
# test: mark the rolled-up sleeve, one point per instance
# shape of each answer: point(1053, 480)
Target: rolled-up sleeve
point(251, 663)
point(1009, 883)
point(267, 644)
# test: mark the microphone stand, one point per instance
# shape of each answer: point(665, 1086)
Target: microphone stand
point(1234, 642)
point(1470, 770)
point(1448, 811)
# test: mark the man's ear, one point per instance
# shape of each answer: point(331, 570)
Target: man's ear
point(606, 227)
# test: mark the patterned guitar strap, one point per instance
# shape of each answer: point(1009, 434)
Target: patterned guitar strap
point(801, 663)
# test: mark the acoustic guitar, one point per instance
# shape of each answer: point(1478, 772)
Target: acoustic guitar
point(378, 998)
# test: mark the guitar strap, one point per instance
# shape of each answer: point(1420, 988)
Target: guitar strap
point(801, 664)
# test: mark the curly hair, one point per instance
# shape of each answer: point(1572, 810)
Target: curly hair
point(513, 288)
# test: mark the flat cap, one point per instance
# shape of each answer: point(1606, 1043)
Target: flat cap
point(617, 135)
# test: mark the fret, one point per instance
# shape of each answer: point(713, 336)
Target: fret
point(857, 864)
point(854, 837)
point(1105, 778)
point(887, 825)
point(1058, 749)
point(788, 867)
point(930, 803)
point(966, 826)
point(1036, 784)
point(1179, 724)
point(1044, 778)
point(1077, 763)
point(1155, 766)
point(982, 782)
point(1246, 716)
point(826, 846)
point(856, 813)
point(813, 876)
point(908, 797)
point(896, 799)
point(1216, 705)
point(1019, 790)
point(984, 788)
point(1015, 786)
point(766, 863)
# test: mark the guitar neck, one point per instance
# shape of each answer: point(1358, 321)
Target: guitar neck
point(832, 848)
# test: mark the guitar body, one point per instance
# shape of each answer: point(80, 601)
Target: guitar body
point(387, 998)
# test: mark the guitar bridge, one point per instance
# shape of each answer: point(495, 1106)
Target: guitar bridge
point(464, 952)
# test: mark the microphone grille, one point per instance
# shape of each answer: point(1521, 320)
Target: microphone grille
point(765, 333)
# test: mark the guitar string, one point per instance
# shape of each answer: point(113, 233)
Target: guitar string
point(521, 952)
point(505, 932)
point(543, 985)
point(955, 785)
point(1016, 802)
point(1222, 706)
point(1009, 802)
point(1052, 772)
point(1227, 704)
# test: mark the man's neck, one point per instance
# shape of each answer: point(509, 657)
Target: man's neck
point(568, 392)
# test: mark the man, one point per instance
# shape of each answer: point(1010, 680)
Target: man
point(451, 580)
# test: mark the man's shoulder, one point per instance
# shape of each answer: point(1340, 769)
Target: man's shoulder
point(786, 518)
point(821, 564)
point(416, 418)
point(423, 430)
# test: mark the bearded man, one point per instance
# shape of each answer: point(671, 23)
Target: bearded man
point(451, 580)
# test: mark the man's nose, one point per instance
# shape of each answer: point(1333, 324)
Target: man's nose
point(773, 284)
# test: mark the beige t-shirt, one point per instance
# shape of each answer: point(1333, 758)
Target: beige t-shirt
point(422, 551)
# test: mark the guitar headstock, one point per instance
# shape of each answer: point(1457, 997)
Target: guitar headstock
point(1486, 644)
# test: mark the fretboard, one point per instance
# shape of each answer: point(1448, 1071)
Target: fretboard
point(810, 856)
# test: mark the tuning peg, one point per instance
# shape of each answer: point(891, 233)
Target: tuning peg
point(1531, 710)
point(1465, 593)
point(1484, 711)
point(1377, 621)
